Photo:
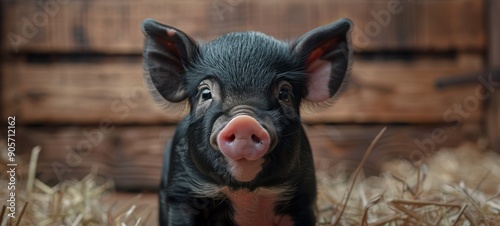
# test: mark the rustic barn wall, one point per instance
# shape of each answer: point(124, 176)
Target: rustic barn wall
point(72, 77)
point(112, 26)
point(380, 91)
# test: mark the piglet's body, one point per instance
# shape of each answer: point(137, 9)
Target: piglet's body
point(241, 156)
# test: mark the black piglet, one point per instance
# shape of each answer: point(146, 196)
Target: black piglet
point(241, 156)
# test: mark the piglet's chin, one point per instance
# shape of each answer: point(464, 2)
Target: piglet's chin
point(244, 170)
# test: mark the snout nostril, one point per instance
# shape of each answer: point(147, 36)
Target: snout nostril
point(256, 139)
point(232, 137)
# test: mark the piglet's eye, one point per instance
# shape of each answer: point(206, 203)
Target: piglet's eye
point(206, 94)
point(284, 94)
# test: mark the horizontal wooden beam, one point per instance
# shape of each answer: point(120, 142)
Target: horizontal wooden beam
point(112, 26)
point(404, 91)
point(379, 92)
point(81, 93)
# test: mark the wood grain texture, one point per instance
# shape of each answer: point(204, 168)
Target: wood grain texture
point(493, 112)
point(132, 156)
point(492, 119)
point(88, 93)
point(112, 26)
point(95, 26)
point(399, 91)
point(494, 34)
point(81, 93)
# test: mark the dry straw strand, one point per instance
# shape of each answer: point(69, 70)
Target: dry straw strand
point(356, 173)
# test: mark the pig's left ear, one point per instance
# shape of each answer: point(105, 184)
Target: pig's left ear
point(327, 54)
point(167, 53)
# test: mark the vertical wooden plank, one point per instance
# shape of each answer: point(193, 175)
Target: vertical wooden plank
point(494, 30)
point(493, 112)
point(2, 59)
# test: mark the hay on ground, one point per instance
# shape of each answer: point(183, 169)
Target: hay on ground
point(458, 186)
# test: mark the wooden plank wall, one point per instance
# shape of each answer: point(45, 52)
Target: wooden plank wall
point(112, 26)
point(72, 68)
point(493, 108)
point(53, 88)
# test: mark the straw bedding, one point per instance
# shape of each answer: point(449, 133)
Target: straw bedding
point(459, 186)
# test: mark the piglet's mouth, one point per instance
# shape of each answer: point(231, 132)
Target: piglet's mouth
point(244, 170)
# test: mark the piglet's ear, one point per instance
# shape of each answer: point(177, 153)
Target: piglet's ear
point(326, 53)
point(167, 53)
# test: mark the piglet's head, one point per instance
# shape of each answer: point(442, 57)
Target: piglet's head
point(245, 90)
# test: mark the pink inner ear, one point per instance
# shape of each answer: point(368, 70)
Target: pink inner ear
point(318, 81)
point(320, 71)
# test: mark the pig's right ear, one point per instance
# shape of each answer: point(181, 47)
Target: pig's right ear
point(326, 55)
point(167, 53)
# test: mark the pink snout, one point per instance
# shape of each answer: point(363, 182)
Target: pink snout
point(243, 138)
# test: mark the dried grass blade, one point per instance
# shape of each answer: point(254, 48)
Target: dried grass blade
point(42, 186)
point(126, 207)
point(364, 220)
point(424, 203)
point(460, 213)
point(412, 214)
point(21, 214)
point(32, 169)
point(77, 220)
point(481, 182)
point(356, 173)
point(386, 220)
point(4, 208)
